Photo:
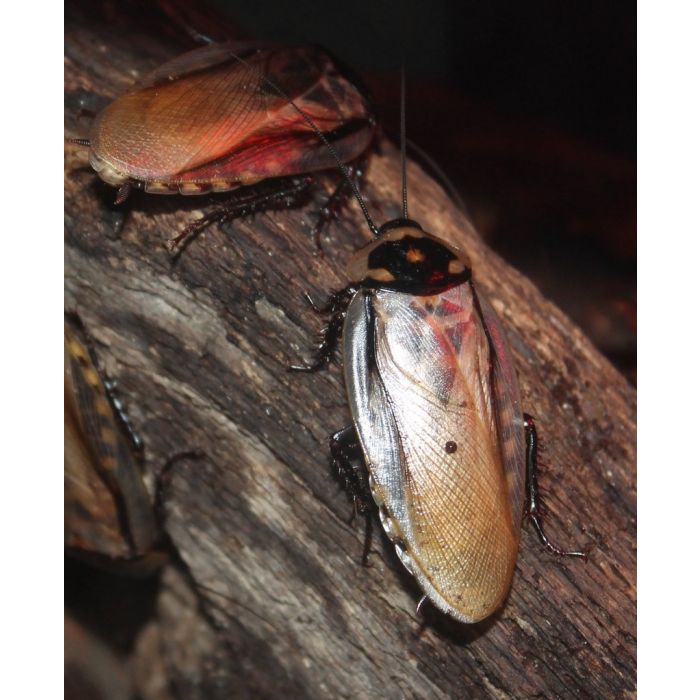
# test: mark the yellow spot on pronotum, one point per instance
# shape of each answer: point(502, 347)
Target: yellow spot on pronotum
point(381, 275)
point(455, 267)
point(413, 255)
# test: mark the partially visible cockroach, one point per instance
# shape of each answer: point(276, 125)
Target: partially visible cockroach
point(208, 121)
point(108, 510)
point(109, 514)
point(439, 440)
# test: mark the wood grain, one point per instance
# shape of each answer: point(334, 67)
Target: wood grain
point(267, 557)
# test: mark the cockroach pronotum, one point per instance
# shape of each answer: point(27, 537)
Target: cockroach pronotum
point(438, 439)
point(208, 121)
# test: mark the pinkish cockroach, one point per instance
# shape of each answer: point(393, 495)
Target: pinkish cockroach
point(439, 441)
point(219, 119)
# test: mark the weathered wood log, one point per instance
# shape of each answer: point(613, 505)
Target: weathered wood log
point(277, 600)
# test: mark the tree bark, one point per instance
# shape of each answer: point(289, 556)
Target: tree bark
point(268, 598)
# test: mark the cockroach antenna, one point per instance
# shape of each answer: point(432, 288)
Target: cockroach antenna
point(404, 185)
point(342, 167)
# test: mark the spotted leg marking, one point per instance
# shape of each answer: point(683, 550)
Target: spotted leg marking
point(337, 306)
point(533, 511)
point(348, 460)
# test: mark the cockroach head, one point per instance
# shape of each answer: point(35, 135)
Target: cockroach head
point(405, 258)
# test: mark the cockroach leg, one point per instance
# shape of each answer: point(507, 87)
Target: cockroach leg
point(115, 400)
point(348, 461)
point(317, 309)
point(533, 511)
point(368, 539)
point(337, 201)
point(165, 476)
point(279, 194)
point(330, 335)
point(336, 305)
point(123, 193)
point(337, 301)
point(421, 602)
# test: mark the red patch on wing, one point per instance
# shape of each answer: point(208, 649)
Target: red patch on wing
point(447, 308)
point(455, 334)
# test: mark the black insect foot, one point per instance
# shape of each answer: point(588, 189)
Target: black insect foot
point(348, 460)
point(317, 309)
point(368, 541)
point(331, 334)
point(313, 367)
point(534, 509)
point(536, 521)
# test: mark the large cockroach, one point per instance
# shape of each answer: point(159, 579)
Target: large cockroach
point(438, 439)
point(209, 121)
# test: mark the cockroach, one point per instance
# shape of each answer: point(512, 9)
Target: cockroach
point(108, 510)
point(438, 440)
point(209, 121)
point(110, 517)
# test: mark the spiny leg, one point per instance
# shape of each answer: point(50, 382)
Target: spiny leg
point(337, 201)
point(110, 385)
point(123, 193)
point(165, 477)
point(278, 194)
point(348, 460)
point(337, 306)
point(533, 509)
point(122, 416)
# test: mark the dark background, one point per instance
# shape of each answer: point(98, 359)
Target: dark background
point(562, 65)
point(529, 108)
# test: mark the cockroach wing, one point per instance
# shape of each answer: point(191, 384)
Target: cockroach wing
point(197, 60)
point(91, 518)
point(423, 382)
point(509, 408)
point(207, 118)
point(99, 465)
